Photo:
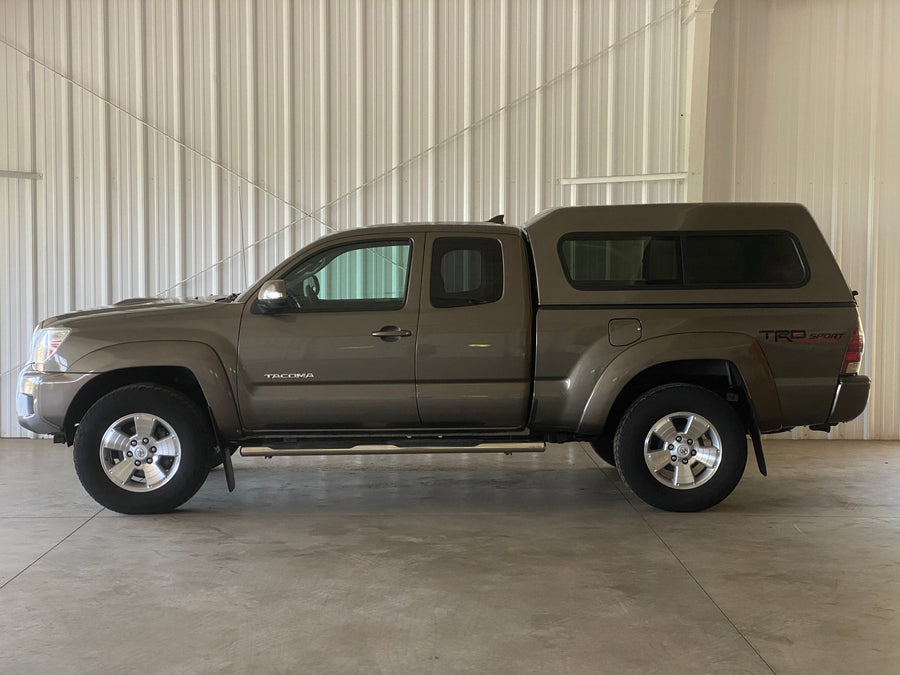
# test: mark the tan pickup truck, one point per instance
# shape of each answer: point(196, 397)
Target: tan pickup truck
point(663, 335)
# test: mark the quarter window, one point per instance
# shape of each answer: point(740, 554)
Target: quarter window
point(466, 271)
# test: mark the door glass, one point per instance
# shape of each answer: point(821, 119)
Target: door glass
point(466, 271)
point(352, 278)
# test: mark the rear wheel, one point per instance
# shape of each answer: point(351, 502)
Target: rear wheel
point(143, 449)
point(681, 448)
point(604, 446)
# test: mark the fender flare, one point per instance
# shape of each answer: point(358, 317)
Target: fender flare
point(200, 359)
point(740, 350)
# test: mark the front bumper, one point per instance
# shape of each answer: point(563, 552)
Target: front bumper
point(850, 398)
point(42, 399)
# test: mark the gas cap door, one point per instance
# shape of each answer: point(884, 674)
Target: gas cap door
point(624, 332)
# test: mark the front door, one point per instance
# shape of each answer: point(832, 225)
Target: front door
point(343, 354)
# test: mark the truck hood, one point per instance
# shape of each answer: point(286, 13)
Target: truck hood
point(146, 320)
point(132, 307)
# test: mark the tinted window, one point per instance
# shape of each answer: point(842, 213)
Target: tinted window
point(742, 260)
point(600, 262)
point(466, 271)
point(674, 260)
point(352, 278)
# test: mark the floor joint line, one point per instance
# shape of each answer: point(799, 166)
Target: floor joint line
point(47, 552)
point(680, 562)
point(706, 593)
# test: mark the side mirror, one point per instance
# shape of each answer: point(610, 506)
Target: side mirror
point(273, 296)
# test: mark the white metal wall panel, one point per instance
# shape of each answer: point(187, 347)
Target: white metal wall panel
point(186, 146)
point(17, 207)
point(803, 107)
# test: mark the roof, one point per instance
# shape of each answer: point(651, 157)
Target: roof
point(462, 226)
point(650, 217)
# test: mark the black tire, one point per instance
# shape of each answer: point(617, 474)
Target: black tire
point(159, 427)
point(604, 446)
point(715, 459)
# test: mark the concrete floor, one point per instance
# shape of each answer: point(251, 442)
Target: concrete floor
point(529, 563)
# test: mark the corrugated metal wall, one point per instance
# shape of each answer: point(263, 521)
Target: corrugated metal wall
point(186, 147)
point(804, 106)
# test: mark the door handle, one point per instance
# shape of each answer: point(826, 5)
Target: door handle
point(391, 333)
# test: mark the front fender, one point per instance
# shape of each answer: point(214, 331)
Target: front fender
point(197, 357)
point(741, 350)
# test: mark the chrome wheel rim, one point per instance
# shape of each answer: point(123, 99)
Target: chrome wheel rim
point(683, 450)
point(140, 452)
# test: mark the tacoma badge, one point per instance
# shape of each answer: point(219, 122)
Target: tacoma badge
point(289, 376)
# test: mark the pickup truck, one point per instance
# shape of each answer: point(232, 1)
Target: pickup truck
point(662, 335)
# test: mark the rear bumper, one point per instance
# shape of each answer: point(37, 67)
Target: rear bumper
point(42, 399)
point(850, 398)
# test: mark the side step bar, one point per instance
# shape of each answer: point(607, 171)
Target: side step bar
point(388, 449)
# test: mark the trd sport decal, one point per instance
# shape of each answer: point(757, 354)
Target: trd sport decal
point(800, 336)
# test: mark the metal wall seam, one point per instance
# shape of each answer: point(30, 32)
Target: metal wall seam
point(803, 113)
point(872, 192)
point(187, 147)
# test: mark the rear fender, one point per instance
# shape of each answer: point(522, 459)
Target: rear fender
point(743, 352)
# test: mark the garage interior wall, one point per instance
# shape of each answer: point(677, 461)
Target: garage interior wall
point(804, 98)
point(184, 148)
point(168, 148)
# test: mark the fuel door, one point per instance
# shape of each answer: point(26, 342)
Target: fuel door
point(624, 332)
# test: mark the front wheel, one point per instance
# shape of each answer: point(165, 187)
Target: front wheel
point(680, 447)
point(143, 449)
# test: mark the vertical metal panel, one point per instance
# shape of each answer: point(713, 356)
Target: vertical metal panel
point(803, 107)
point(186, 146)
point(17, 204)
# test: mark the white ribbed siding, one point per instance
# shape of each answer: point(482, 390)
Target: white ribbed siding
point(186, 147)
point(803, 106)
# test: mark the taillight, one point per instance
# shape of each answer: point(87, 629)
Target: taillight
point(855, 350)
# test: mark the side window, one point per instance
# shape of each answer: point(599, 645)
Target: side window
point(596, 262)
point(466, 271)
point(770, 259)
point(357, 277)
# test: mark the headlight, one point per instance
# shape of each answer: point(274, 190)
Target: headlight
point(46, 342)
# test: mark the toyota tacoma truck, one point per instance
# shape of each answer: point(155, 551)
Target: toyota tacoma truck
point(662, 335)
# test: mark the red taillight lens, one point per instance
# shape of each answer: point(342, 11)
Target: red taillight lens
point(854, 351)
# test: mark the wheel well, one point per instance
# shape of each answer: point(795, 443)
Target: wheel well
point(174, 377)
point(717, 375)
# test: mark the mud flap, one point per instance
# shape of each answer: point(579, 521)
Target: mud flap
point(757, 446)
point(741, 400)
point(224, 450)
point(229, 468)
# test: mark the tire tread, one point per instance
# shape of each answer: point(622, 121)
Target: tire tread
point(196, 440)
point(633, 470)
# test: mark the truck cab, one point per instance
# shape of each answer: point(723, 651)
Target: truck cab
point(406, 328)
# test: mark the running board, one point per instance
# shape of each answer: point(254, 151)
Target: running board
point(388, 449)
